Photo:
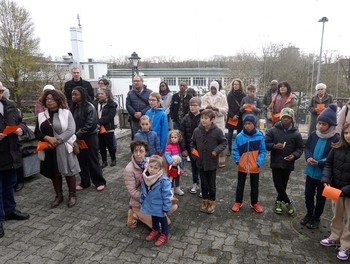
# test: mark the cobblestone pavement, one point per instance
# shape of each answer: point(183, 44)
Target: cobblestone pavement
point(95, 231)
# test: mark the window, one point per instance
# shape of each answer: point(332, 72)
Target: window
point(199, 81)
point(171, 81)
point(184, 79)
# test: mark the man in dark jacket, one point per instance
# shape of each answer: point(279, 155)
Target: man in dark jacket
point(180, 105)
point(137, 103)
point(77, 81)
point(10, 160)
point(269, 95)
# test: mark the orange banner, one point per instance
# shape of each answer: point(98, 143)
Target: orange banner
point(195, 152)
point(82, 144)
point(275, 117)
point(232, 121)
point(102, 129)
point(331, 193)
point(320, 108)
point(42, 145)
point(10, 129)
point(248, 108)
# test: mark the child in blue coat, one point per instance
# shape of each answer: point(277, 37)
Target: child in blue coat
point(156, 198)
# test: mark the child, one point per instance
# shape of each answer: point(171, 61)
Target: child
point(251, 104)
point(249, 153)
point(146, 134)
point(155, 198)
point(317, 147)
point(174, 161)
point(188, 124)
point(209, 141)
point(286, 145)
point(159, 119)
point(337, 174)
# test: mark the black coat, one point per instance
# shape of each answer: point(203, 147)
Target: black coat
point(107, 116)
point(68, 88)
point(137, 102)
point(85, 117)
point(294, 145)
point(188, 124)
point(337, 169)
point(234, 108)
point(175, 105)
point(10, 155)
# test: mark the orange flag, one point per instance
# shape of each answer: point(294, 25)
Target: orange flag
point(275, 117)
point(331, 193)
point(82, 144)
point(10, 129)
point(232, 121)
point(102, 129)
point(248, 108)
point(195, 152)
point(42, 145)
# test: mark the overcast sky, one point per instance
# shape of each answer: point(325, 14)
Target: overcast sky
point(189, 28)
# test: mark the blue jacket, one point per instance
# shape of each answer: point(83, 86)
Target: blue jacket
point(156, 201)
point(318, 149)
point(159, 122)
point(153, 141)
point(249, 152)
point(137, 102)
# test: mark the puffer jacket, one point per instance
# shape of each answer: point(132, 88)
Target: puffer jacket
point(159, 121)
point(10, 155)
point(85, 117)
point(153, 141)
point(137, 102)
point(337, 169)
point(294, 145)
point(188, 124)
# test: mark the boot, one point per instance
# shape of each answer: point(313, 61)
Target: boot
point(204, 206)
point(71, 182)
point(222, 160)
point(211, 207)
point(57, 185)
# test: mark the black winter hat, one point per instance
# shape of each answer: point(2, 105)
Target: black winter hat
point(251, 118)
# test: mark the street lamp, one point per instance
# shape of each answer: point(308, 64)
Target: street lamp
point(323, 20)
point(134, 60)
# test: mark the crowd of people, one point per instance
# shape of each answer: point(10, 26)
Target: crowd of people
point(76, 126)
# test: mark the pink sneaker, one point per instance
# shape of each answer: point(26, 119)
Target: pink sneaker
point(161, 240)
point(100, 188)
point(79, 188)
point(152, 235)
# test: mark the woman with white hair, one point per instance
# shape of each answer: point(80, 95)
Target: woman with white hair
point(318, 103)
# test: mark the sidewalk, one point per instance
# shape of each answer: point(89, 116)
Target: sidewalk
point(95, 231)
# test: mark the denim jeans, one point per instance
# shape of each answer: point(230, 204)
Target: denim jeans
point(156, 220)
point(312, 187)
point(8, 179)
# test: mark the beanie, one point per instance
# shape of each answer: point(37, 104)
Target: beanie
point(274, 82)
point(329, 115)
point(215, 84)
point(287, 112)
point(251, 118)
point(48, 87)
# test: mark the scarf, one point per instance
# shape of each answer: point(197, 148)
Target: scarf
point(328, 134)
point(251, 133)
point(164, 93)
point(149, 180)
point(141, 164)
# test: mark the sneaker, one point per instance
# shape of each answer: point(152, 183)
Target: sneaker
point(200, 195)
point(161, 240)
point(194, 188)
point(188, 158)
point(313, 223)
point(305, 219)
point(178, 191)
point(278, 207)
point(79, 188)
point(152, 235)
point(236, 206)
point(100, 188)
point(327, 242)
point(290, 207)
point(257, 207)
point(343, 254)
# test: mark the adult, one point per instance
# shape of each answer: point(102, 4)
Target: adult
point(11, 159)
point(270, 93)
point(39, 106)
point(343, 117)
point(180, 105)
point(85, 117)
point(284, 98)
point(217, 102)
point(166, 97)
point(234, 118)
point(191, 92)
point(77, 81)
point(133, 179)
point(106, 111)
point(318, 103)
point(137, 103)
point(57, 127)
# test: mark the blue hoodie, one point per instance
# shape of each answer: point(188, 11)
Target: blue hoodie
point(159, 121)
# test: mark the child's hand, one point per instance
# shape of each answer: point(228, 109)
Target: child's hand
point(289, 157)
point(213, 153)
point(312, 161)
point(278, 146)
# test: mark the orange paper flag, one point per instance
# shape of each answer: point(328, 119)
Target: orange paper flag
point(248, 108)
point(82, 144)
point(102, 129)
point(320, 108)
point(42, 145)
point(195, 152)
point(10, 129)
point(232, 121)
point(275, 117)
point(331, 193)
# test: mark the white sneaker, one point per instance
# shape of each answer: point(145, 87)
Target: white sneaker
point(188, 158)
point(178, 191)
point(194, 188)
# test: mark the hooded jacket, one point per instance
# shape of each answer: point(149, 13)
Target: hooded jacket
point(159, 121)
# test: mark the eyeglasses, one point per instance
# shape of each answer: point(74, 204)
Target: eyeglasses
point(152, 100)
point(194, 105)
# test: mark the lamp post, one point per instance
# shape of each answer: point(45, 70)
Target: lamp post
point(134, 60)
point(323, 20)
